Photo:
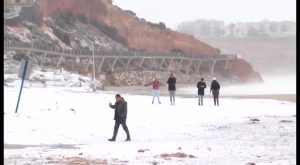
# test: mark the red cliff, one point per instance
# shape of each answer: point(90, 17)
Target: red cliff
point(140, 34)
point(244, 71)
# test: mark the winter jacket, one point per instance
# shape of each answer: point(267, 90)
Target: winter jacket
point(155, 84)
point(201, 85)
point(214, 86)
point(171, 81)
point(120, 109)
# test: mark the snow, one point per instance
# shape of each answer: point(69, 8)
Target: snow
point(214, 135)
point(272, 85)
point(52, 78)
point(20, 33)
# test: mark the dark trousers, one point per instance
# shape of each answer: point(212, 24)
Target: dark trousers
point(117, 125)
point(172, 96)
point(216, 97)
point(200, 99)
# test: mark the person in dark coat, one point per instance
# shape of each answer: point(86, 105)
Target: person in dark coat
point(172, 88)
point(214, 88)
point(120, 116)
point(201, 85)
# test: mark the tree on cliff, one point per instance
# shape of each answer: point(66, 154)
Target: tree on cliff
point(110, 32)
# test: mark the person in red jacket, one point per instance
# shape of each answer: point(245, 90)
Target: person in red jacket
point(155, 86)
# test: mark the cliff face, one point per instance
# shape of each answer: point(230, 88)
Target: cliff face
point(244, 71)
point(138, 33)
point(92, 9)
point(142, 35)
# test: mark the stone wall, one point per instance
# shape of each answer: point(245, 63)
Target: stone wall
point(137, 78)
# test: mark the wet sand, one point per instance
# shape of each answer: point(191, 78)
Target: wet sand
point(143, 90)
point(280, 97)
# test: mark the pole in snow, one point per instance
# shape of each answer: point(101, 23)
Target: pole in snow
point(62, 77)
point(23, 79)
point(94, 84)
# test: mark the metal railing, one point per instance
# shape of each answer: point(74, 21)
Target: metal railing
point(9, 45)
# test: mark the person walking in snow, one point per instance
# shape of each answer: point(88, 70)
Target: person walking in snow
point(172, 88)
point(155, 86)
point(120, 116)
point(214, 88)
point(201, 85)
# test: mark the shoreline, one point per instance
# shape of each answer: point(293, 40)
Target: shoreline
point(279, 97)
point(147, 91)
point(138, 90)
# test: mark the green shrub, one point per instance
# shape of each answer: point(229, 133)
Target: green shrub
point(111, 32)
point(160, 25)
point(20, 56)
point(81, 17)
point(63, 36)
point(68, 18)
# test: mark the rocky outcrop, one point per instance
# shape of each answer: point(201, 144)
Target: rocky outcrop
point(33, 14)
point(244, 71)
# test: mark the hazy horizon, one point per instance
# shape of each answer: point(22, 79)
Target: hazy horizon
point(172, 13)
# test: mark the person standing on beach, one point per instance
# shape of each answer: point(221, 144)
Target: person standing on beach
point(172, 88)
point(214, 88)
point(155, 86)
point(201, 85)
point(120, 116)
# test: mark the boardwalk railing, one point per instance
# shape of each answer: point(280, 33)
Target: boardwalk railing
point(161, 60)
point(9, 45)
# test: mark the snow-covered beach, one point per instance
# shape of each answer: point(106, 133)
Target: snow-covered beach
point(63, 125)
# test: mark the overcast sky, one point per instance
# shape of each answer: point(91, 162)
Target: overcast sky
point(172, 12)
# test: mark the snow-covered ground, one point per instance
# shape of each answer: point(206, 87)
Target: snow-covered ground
point(52, 120)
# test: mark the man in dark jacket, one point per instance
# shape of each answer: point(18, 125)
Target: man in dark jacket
point(120, 116)
point(215, 87)
point(201, 85)
point(172, 88)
